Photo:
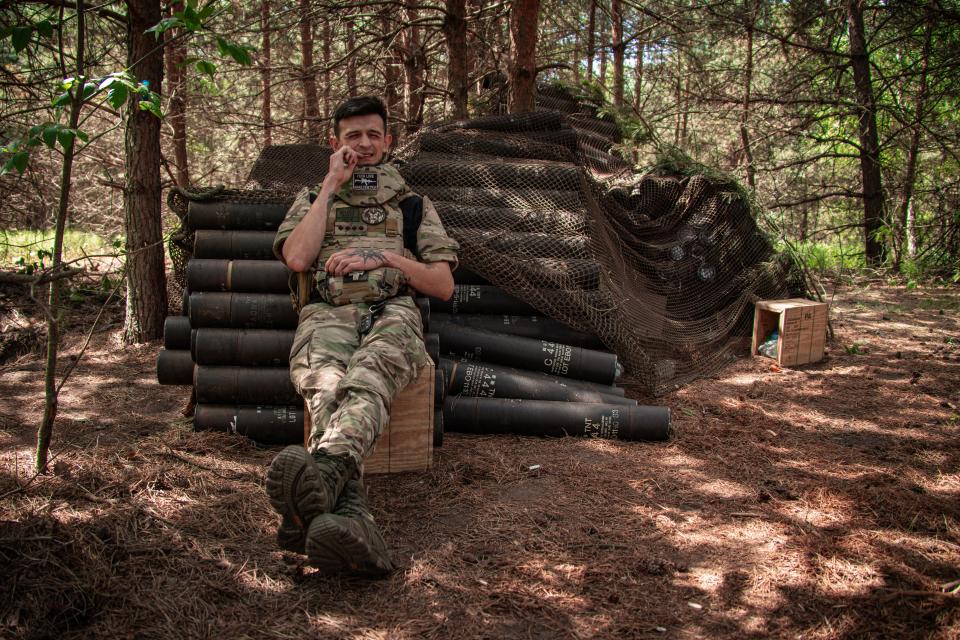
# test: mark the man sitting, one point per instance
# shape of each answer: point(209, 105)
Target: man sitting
point(370, 242)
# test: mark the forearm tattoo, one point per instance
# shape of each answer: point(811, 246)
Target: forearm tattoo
point(367, 254)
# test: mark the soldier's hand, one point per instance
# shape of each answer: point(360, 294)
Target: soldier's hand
point(349, 260)
point(342, 163)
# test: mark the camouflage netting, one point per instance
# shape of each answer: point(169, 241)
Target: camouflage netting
point(664, 268)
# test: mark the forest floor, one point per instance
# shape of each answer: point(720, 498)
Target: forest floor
point(817, 502)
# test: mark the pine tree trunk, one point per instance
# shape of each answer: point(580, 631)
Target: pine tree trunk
point(391, 79)
point(873, 206)
point(455, 32)
point(265, 74)
point(906, 240)
point(619, 51)
point(638, 70)
point(747, 153)
point(523, 49)
point(352, 87)
point(325, 79)
point(591, 39)
point(177, 108)
point(311, 106)
point(146, 280)
point(413, 71)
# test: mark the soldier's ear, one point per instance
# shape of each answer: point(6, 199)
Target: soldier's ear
point(334, 143)
point(387, 141)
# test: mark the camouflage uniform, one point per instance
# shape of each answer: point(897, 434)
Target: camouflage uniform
point(349, 380)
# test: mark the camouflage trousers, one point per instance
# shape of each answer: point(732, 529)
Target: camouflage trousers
point(349, 381)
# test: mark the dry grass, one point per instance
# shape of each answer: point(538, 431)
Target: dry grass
point(822, 502)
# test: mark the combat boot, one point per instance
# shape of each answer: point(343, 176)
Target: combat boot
point(348, 540)
point(301, 487)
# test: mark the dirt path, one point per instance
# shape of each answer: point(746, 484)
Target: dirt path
point(822, 502)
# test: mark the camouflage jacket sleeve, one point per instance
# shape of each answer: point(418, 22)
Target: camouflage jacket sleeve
point(299, 208)
point(433, 243)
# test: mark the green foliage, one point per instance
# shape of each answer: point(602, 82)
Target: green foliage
point(828, 258)
point(28, 250)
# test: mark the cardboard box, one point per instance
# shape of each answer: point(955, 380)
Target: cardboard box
point(802, 325)
point(406, 443)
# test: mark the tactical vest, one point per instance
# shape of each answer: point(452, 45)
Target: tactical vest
point(365, 214)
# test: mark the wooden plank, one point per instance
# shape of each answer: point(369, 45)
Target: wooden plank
point(406, 443)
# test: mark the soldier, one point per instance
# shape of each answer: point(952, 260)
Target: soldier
point(370, 242)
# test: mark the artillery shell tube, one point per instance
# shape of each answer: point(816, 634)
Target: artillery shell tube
point(242, 310)
point(234, 245)
point(235, 385)
point(222, 214)
point(174, 366)
point(423, 306)
point(266, 424)
point(545, 418)
point(255, 276)
point(480, 299)
point(438, 427)
point(439, 386)
point(432, 342)
point(176, 332)
point(476, 379)
point(527, 326)
point(244, 347)
point(554, 358)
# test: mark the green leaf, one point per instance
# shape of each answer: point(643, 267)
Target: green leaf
point(21, 38)
point(165, 25)
point(62, 100)
point(89, 89)
point(207, 10)
point(65, 137)
point(191, 19)
point(106, 82)
point(206, 67)
point(222, 46)
point(238, 53)
point(17, 161)
point(45, 28)
point(117, 95)
point(82, 135)
point(50, 135)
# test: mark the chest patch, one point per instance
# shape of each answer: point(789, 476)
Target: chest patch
point(373, 215)
point(366, 181)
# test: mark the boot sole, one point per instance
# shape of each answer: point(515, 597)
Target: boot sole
point(294, 488)
point(333, 546)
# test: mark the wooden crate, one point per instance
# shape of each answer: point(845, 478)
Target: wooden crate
point(802, 325)
point(406, 443)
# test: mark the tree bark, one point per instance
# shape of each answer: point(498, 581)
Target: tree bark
point(311, 106)
point(413, 71)
point(873, 206)
point(747, 153)
point(325, 78)
point(591, 39)
point(146, 279)
point(523, 49)
point(391, 79)
point(352, 87)
point(177, 107)
point(266, 74)
point(638, 69)
point(455, 32)
point(905, 238)
point(619, 50)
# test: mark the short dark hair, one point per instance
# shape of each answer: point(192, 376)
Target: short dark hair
point(359, 106)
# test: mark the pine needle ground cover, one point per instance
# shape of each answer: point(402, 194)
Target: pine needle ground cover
point(820, 502)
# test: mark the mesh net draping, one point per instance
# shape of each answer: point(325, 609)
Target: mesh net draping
point(663, 267)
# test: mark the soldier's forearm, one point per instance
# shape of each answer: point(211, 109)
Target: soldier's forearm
point(430, 278)
point(301, 249)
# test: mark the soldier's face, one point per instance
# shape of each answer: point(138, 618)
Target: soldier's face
point(365, 135)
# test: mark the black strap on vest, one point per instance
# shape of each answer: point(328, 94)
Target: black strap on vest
point(412, 209)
